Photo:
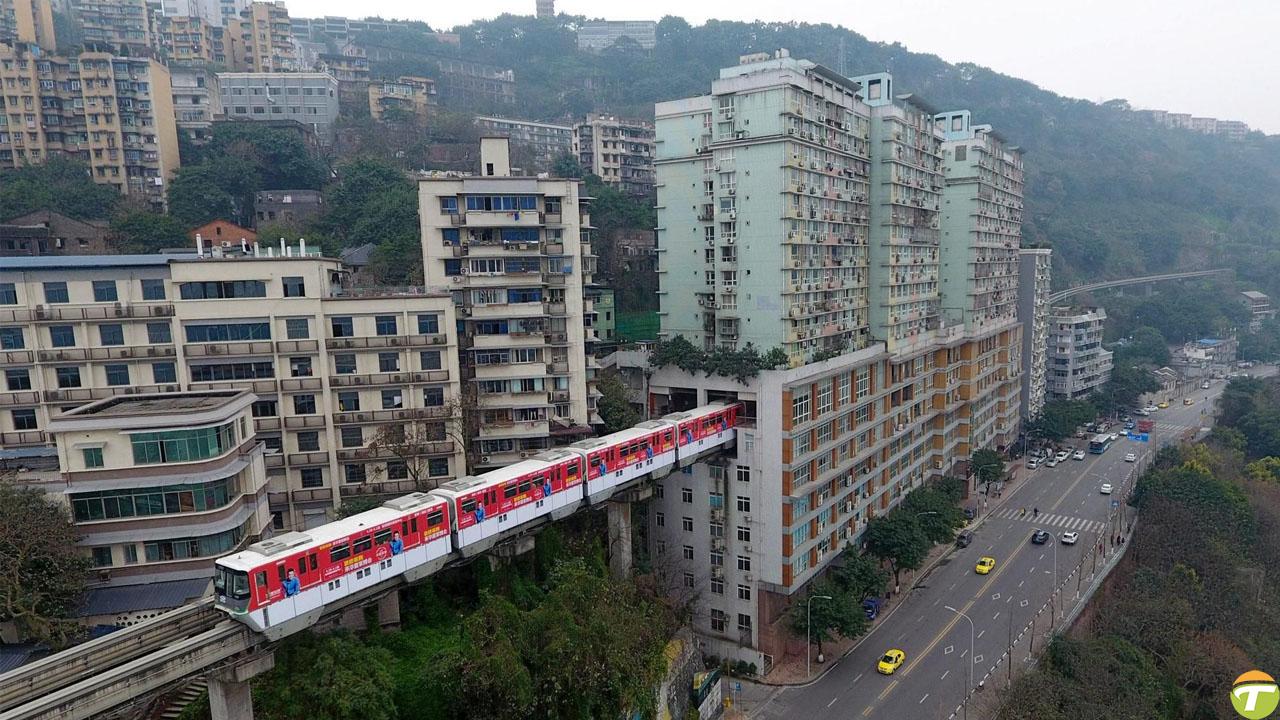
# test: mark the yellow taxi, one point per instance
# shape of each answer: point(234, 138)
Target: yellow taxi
point(891, 661)
point(1162, 405)
point(985, 565)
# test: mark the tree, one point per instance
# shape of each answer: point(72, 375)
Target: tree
point(141, 231)
point(567, 166)
point(42, 572)
point(840, 616)
point(987, 466)
point(860, 576)
point(60, 184)
point(371, 201)
point(897, 538)
point(411, 444)
point(280, 159)
point(346, 679)
point(615, 409)
point(219, 189)
point(935, 511)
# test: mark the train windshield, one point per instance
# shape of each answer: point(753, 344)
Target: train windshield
point(232, 583)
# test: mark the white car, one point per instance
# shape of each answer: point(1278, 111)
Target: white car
point(1033, 463)
point(1078, 455)
point(1150, 409)
point(1052, 461)
point(1130, 457)
point(1070, 538)
point(1115, 437)
point(1105, 489)
point(1063, 455)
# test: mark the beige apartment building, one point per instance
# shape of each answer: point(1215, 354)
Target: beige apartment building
point(114, 113)
point(123, 27)
point(195, 41)
point(515, 253)
point(619, 151)
point(267, 37)
point(407, 98)
point(332, 366)
point(27, 21)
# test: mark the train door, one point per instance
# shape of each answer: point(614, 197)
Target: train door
point(389, 550)
point(308, 597)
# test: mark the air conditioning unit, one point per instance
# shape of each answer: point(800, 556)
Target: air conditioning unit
point(747, 549)
point(733, 191)
point(437, 340)
point(151, 351)
point(749, 577)
point(458, 278)
point(717, 573)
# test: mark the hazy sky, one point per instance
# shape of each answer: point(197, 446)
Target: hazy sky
point(1205, 57)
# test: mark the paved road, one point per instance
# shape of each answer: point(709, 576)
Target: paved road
point(932, 681)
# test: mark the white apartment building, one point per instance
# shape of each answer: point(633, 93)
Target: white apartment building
point(515, 253)
point(332, 365)
point(307, 98)
point(619, 151)
point(1035, 279)
point(1076, 363)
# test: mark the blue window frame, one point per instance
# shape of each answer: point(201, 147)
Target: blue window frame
point(524, 295)
point(111, 334)
point(11, 338)
point(451, 236)
point(105, 291)
point(428, 324)
point(56, 292)
point(61, 336)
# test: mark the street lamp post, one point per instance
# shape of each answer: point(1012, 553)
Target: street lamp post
point(808, 632)
point(1056, 540)
point(971, 645)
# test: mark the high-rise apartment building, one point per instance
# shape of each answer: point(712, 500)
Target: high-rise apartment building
point(122, 27)
point(196, 100)
point(114, 113)
point(196, 41)
point(619, 151)
point(597, 35)
point(333, 366)
point(303, 97)
point(545, 8)
point(351, 70)
point(1035, 279)
point(546, 141)
point(849, 225)
point(1076, 363)
point(516, 254)
point(27, 21)
point(267, 37)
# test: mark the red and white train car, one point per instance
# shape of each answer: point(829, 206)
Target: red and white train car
point(704, 428)
point(294, 575)
point(483, 506)
point(627, 454)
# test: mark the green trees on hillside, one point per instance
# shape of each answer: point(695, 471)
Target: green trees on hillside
point(61, 185)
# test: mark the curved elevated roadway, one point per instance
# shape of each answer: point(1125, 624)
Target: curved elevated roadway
point(1143, 280)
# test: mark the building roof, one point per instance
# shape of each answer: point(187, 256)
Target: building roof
point(73, 262)
point(151, 596)
point(357, 256)
point(14, 656)
point(1255, 295)
point(157, 404)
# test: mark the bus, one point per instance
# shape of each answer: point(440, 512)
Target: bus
point(1099, 443)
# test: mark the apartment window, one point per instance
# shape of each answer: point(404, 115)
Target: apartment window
point(111, 334)
point(308, 441)
point(105, 291)
point(352, 436)
point(385, 324)
point(24, 419)
point(388, 362)
point(744, 592)
point(744, 534)
point(397, 470)
point(62, 336)
point(265, 408)
point(744, 623)
point(744, 474)
point(294, 287)
point(686, 552)
point(17, 379)
point(297, 328)
point(428, 324)
point(11, 338)
point(845, 387)
point(304, 404)
point(164, 372)
point(68, 377)
point(222, 290)
point(437, 467)
point(8, 294)
point(117, 375)
point(719, 617)
point(688, 579)
point(433, 397)
point(658, 491)
point(353, 474)
point(342, 326)
point(430, 359)
point(344, 364)
point(92, 457)
point(311, 477)
point(348, 401)
point(744, 504)
point(152, 289)
point(744, 563)
point(824, 398)
point(448, 205)
point(717, 587)
point(686, 523)
point(56, 292)
point(686, 495)
point(864, 382)
point(102, 556)
point(159, 333)
point(660, 518)
point(800, 408)
point(717, 559)
point(392, 399)
point(299, 367)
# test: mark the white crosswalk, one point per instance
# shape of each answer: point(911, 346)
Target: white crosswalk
point(1066, 522)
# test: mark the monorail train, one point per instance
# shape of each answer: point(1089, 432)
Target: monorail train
point(281, 585)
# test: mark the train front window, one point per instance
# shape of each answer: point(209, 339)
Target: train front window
point(232, 583)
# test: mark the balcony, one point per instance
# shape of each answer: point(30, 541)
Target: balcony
point(23, 437)
point(386, 416)
point(309, 458)
point(194, 350)
point(487, 219)
point(297, 422)
point(382, 341)
point(54, 313)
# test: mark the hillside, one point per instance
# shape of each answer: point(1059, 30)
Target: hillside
point(1114, 195)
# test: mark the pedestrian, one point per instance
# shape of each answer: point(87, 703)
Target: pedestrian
point(1036, 511)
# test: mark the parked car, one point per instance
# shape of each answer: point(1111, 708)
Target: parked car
point(1040, 537)
point(970, 513)
point(1105, 489)
point(871, 606)
point(1033, 463)
point(1063, 455)
point(1070, 538)
point(1078, 455)
point(964, 539)
point(1052, 462)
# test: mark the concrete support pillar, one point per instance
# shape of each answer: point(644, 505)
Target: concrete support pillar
point(230, 695)
point(619, 539)
point(389, 611)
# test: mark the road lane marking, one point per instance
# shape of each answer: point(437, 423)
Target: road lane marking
point(867, 711)
point(888, 689)
point(833, 702)
point(857, 678)
point(944, 675)
point(984, 632)
point(993, 617)
point(919, 703)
